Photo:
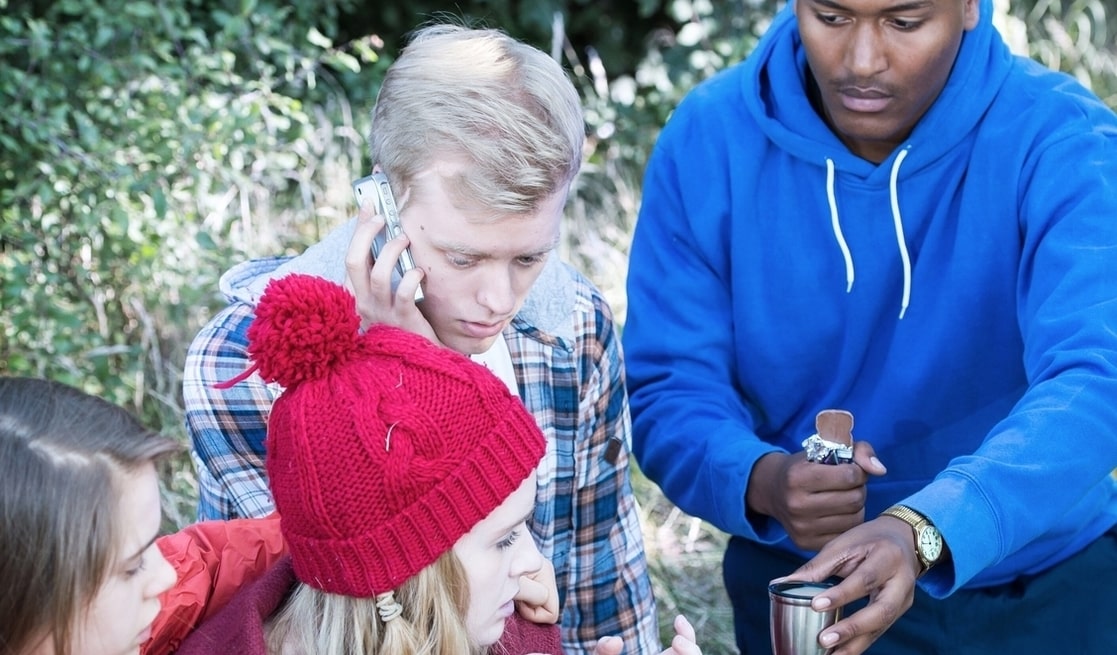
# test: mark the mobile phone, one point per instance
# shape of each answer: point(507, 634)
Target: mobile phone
point(376, 187)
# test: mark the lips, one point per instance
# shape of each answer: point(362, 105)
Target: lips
point(483, 330)
point(864, 100)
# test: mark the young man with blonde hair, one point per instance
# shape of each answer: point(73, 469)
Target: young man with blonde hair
point(480, 137)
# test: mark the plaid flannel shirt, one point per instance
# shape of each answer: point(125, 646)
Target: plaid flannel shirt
point(586, 519)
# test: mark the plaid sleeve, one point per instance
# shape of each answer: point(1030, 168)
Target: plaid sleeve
point(227, 427)
point(612, 594)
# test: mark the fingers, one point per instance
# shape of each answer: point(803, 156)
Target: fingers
point(378, 300)
point(546, 577)
point(366, 275)
point(405, 291)
point(537, 600)
point(684, 642)
point(855, 633)
point(535, 613)
point(608, 646)
point(813, 520)
point(358, 258)
point(531, 591)
point(683, 646)
point(875, 560)
point(865, 456)
point(683, 627)
point(810, 476)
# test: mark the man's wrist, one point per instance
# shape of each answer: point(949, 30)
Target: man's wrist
point(930, 549)
point(757, 492)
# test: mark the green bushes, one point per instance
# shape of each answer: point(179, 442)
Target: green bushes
point(147, 145)
point(143, 144)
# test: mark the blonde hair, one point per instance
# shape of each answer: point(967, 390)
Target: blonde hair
point(434, 603)
point(505, 108)
point(63, 454)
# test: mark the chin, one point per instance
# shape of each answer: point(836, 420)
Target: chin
point(469, 346)
point(489, 635)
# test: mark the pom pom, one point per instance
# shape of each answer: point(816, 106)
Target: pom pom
point(305, 327)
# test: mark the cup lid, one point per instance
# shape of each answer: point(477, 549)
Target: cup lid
point(798, 588)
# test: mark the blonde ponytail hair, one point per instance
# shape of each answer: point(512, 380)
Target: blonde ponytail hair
point(432, 621)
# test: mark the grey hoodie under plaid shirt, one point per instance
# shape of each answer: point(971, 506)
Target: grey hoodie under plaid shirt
point(568, 365)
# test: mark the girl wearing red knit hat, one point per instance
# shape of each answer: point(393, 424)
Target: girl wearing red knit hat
point(403, 474)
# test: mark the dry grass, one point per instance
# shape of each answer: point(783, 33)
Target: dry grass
point(684, 557)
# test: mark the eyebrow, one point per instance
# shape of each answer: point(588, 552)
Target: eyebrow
point(907, 6)
point(525, 519)
point(463, 249)
point(142, 549)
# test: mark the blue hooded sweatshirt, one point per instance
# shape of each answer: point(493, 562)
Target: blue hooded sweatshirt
point(959, 298)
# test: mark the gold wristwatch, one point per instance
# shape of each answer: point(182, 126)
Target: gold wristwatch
point(928, 540)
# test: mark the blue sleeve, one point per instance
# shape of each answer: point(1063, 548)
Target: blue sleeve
point(692, 433)
point(1044, 470)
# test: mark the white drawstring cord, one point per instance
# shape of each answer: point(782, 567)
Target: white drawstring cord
point(836, 225)
point(898, 223)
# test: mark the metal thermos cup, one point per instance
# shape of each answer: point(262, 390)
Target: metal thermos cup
point(794, 625)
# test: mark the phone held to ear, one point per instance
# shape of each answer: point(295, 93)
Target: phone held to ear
point(375, 187)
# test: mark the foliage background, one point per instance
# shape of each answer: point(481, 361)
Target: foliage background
point(147, 144)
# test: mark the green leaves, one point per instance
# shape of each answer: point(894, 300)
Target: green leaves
point(146, 146)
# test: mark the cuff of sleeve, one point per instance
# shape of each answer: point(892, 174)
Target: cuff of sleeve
point(731, 468)
point(975, 528)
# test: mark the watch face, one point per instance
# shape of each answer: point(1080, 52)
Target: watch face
point(930, 544)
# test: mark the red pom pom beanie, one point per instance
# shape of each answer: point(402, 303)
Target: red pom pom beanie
point(384, 448)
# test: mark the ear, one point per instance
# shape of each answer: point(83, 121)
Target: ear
point(971, 13)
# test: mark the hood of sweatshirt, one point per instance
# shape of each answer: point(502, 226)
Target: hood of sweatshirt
point(778, 69)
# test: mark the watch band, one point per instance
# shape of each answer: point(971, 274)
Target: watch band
point(924, 531)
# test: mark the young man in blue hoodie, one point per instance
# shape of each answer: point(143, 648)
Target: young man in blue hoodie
point(883, 210)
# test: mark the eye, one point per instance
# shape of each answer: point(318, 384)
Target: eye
point(506, 543)
point(131, 573)
point(906, 25)
point(827, 19)
point(460, 261)
point(531, 260)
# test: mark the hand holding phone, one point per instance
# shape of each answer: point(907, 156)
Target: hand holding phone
point(375, 186)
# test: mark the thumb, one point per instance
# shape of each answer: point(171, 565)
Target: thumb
point(866, 457)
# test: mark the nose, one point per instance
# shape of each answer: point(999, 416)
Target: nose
point(528, 558)
point(865, 54)
point(163, 575)
point(497, 292)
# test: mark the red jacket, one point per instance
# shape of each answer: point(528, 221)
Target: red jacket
point(213, 559)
